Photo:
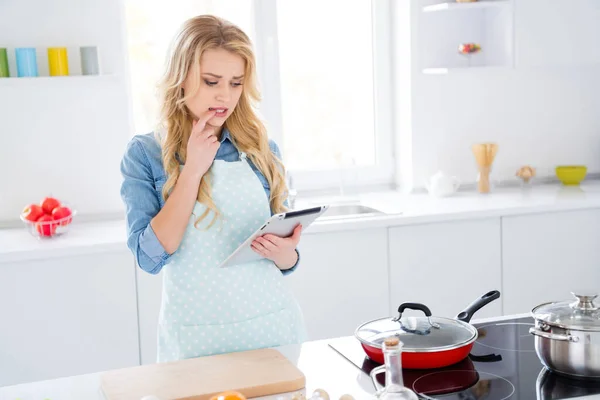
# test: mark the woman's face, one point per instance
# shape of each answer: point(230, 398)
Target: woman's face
point(220, 88)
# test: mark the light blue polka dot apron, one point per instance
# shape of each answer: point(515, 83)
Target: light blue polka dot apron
point(208, 310)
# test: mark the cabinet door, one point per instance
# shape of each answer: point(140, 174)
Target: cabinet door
point(67, 316)
point(546, 256)
point(446, 266)
point(342, 281)
point(149, 298)
point(557, 32)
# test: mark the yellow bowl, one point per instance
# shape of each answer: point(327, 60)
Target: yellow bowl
point(571, 174)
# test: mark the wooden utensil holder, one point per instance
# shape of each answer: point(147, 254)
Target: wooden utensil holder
point(483, 181)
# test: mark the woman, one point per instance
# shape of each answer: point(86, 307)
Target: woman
point(197, 189)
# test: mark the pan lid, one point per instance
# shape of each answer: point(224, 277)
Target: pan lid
point(418, 334)
point(580, 314)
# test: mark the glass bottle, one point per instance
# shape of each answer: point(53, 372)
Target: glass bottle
point(394, 384)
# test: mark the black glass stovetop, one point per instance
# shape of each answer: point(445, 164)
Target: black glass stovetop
point(502, 365)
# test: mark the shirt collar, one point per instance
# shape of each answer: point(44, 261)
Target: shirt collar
point(225, 135)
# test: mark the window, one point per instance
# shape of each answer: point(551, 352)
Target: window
point(326, 83)
point(323, 72)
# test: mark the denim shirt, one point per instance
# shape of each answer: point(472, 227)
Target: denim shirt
point(141, 191)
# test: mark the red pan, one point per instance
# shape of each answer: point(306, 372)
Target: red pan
point(428, 341)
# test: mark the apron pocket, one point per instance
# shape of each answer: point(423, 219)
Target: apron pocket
point(270, 330)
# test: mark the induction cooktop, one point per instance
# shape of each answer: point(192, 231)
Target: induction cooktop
point(502, 365)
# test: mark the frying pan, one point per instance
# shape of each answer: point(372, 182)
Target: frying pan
point(428, 341)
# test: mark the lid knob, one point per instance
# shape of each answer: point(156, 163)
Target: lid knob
point(584, 302)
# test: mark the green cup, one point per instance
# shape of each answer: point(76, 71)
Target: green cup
point(3, 64)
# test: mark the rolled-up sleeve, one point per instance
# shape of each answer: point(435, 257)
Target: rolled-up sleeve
point(290, 270)
point(275, 149)
point(141, 205)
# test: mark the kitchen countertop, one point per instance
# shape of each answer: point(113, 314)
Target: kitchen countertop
point(323, 367)
point(399, 209)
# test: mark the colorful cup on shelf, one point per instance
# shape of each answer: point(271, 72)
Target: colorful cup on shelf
point(58, 61)
point(4, 73)
point(89, 60)
point(26, 62)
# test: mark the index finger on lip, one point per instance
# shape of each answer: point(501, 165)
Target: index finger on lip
point(200, 123)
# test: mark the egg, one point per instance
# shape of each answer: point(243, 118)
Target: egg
point(346, 397)
point(320, 394)
point(298, 396)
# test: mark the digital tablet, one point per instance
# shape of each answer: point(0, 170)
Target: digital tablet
point(281, 225)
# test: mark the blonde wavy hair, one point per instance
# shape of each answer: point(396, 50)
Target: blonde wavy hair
point(248, 133)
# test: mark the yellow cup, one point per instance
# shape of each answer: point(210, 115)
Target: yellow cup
point(58, 61)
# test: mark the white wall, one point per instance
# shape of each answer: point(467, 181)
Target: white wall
point(63, 136)
point(544, 112)
point(66, 136)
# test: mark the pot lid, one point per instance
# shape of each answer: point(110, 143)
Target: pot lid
point(581, 314)
point(418, 334)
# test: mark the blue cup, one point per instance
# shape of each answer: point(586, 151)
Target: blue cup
point(26, 62)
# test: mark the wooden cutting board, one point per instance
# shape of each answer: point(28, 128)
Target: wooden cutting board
point(253, 373)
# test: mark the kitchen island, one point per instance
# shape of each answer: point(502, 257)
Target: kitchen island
point(323, 367)
point(502, 365)
point(501, 242)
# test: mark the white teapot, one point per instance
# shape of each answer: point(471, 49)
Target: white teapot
point(441, 185)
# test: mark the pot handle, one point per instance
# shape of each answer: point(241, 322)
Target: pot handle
point(487, 298)
point(374, 372)
point(553, 336)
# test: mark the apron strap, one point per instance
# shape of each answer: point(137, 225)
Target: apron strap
point(242, 156)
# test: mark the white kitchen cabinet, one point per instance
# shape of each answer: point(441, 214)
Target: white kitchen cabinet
point(446, 266)
point(342, 281)
point(149, 291)
point(67, 316)
point(546, 256)
point(557, 32)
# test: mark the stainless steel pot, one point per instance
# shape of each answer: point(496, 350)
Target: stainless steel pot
point(567, 336)
point(551, 386)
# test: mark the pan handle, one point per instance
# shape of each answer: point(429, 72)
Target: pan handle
point(487, 358)
point(487, 298)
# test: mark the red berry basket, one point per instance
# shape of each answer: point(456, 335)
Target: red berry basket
point(49, 218)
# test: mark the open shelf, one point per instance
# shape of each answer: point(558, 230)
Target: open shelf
point(446, 70)
point(490, 25)
point(450, 6)
point(31, 79)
